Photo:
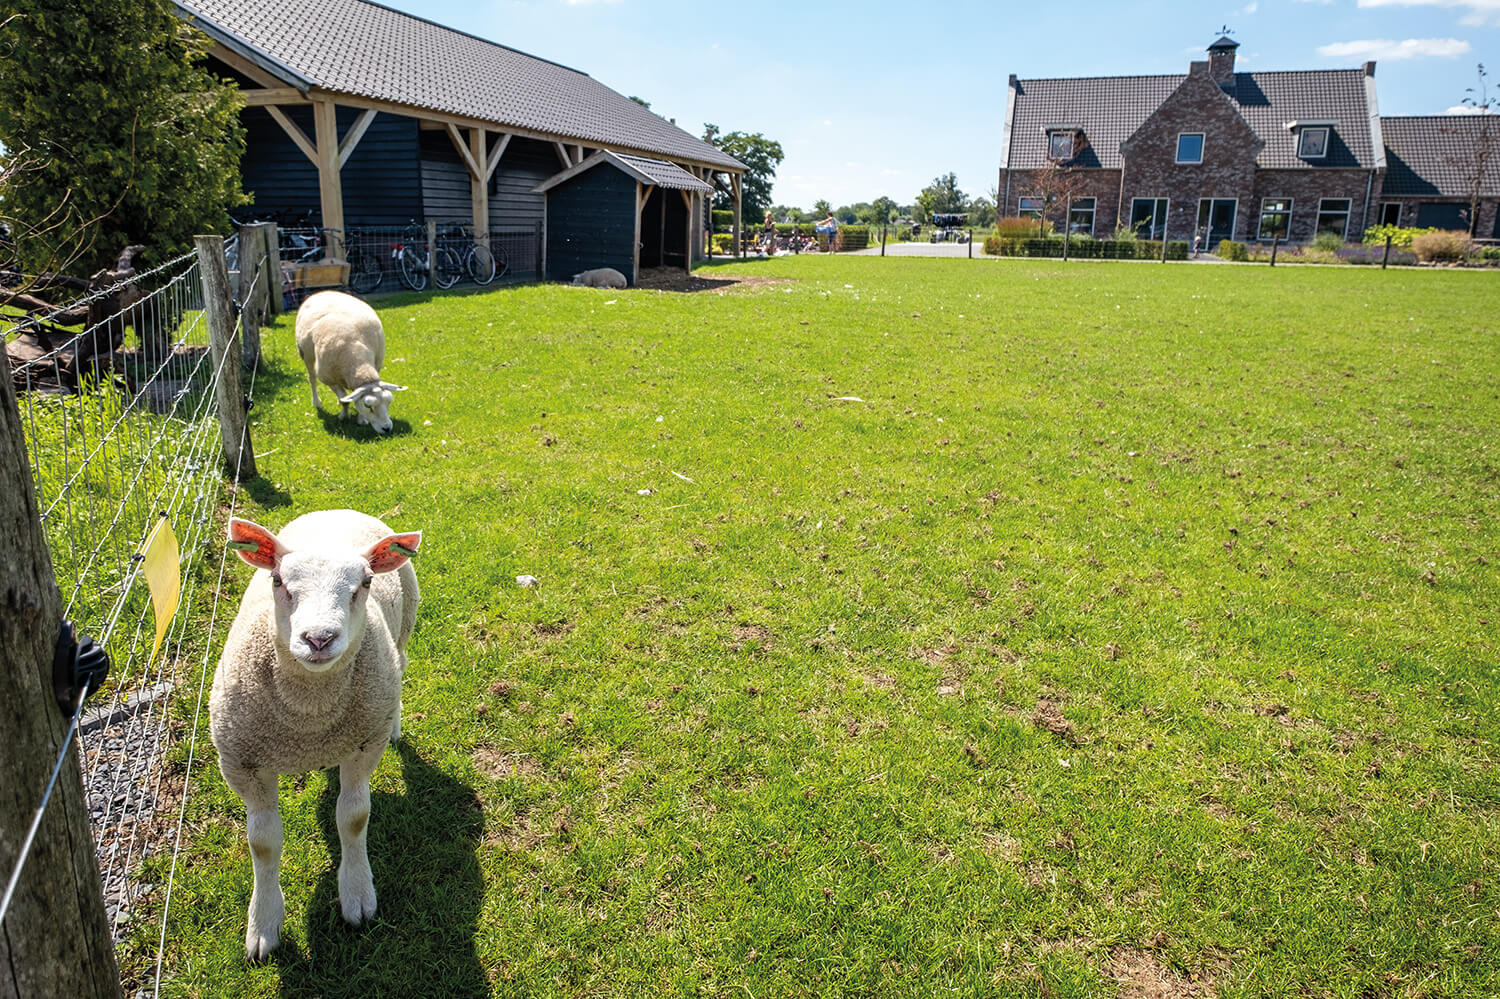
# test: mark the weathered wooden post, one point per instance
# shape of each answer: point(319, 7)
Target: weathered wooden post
point(54, 940)
point(239, 456)
point(252, 284)
point(1275, 242)
point(1164, 239)
point(1067, 224)
point(971, 244)
point(432, 254)
point(882, 241)
point(1387, 257)
point(275, 289)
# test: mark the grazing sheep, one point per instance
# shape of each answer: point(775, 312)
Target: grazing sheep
point(310, 678)
point(343, 345)
point(603, 277)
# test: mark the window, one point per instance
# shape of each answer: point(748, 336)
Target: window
point(1030, 208)
point(1216, 217)
point(1390, 213)
point(1312, 143)
point(1275, 218)
point(1190, 147)
point(1333, 216)
point(1060, 145)
point(1081, 218)
point(1148, 217)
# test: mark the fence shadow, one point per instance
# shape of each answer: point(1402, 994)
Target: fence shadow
point(423, 847)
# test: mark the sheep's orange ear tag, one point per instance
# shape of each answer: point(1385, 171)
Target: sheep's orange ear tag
point(253, 543)
point(392, 552)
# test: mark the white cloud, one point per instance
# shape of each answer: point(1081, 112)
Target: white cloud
point(888, 172)
point(1387, 49)
point(1479, 12)
point(1465, 109)
point(1250, 8)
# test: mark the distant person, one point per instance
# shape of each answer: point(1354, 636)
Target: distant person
point(768, 235)
point(829, 227)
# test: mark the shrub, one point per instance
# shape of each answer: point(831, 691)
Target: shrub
point(854, 237)
point(723, 219)
point(724, 243)
point(1230, 250)
point(1019, 227)
point(1442, 247)
point(1399, 236)
point(1328, 242)
point(1490, 254)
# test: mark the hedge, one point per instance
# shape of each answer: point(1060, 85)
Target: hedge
point(1096, 249)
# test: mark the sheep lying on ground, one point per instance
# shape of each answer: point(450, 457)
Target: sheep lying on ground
point(310, 677)
point(343, 345)
point(603, 277)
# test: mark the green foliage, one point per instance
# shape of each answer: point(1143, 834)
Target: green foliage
point(116, 133)
point(821, 208)
point(723, 219)
point(942, 195)
point(1442, 247)
point(981, 213)
point(1328, 242)
point(761, 157)
point(855, 237)
point(1021, 227)
point(883, 209)
point(1399, 236)
point(724, 242)
point(1231, 250)
point(1082, 247)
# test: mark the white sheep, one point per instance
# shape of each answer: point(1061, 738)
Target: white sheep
point(310, 677)
point(603, 277)
point(343, 345)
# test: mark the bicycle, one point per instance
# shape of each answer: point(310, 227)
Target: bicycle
point(478, 260)
point(442, 263)
point(365, 272)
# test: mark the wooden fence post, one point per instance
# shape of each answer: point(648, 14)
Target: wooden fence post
point(252, 284)
point(55, 939)
point(239, 456)
point(276, 291)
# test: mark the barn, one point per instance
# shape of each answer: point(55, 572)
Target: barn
point(359, 116)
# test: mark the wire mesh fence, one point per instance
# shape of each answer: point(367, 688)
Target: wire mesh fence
point(122, 434)
point(396, 258)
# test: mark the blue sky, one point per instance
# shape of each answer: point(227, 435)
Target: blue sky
point(880, 97)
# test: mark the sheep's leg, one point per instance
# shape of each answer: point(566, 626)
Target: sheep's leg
point(356, 883)
point(263, 829)
point(312, 381)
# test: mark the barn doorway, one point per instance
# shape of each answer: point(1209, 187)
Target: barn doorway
point(664, 229)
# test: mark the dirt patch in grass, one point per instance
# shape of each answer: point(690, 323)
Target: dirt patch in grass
point(1140, 976)
point(748, 634)
point(497, 765)
point(676, 279)
point(1050, 717)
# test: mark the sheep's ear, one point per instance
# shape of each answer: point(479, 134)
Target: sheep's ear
point(253, 543)
point(346, 400)
point(391, 552)
point(392, 388)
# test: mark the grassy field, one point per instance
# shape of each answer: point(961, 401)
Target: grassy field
point(987, 629)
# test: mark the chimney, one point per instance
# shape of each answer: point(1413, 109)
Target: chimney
point(1370, 68)
point(1221, 62)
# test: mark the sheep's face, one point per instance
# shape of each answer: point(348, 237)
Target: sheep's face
point(321, 596)
point(373, 408)
point(320, 603)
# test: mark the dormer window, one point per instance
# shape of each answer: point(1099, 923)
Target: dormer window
point(1190, 147)
point(1312, 144)
point(1062, 142)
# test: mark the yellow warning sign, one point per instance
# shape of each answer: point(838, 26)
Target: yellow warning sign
point(160, 563)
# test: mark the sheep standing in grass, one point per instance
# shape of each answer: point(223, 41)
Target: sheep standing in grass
point(603, 277)
point(343, 345)
point(310, 678)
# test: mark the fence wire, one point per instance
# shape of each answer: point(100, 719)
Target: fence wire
point(122, 431)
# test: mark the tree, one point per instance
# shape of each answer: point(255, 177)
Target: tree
point(883, 210)
point(760, 155)
point(1054, 186)
point(981, 213)
point(642, 103)
point(1476, 161)
point(124, 136)
point(942, 195)
point(821, 208)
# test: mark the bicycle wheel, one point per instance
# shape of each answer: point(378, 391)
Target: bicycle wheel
point(364, 273)
point(481, 264)
point(446, 268)
point(413, 274)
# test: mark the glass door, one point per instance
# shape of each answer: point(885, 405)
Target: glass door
point(1216, 220)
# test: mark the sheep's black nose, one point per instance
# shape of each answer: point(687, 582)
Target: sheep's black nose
point(319, 640)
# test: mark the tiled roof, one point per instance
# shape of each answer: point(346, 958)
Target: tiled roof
point(647, 171)
point(363, 49)
point(1111, 108)
point(1433, 155)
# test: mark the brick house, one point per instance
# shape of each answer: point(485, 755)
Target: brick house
point(1227, 155)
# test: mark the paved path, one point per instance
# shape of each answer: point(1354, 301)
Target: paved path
point(924, 249)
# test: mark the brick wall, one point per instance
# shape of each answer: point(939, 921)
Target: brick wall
point(1307, 188)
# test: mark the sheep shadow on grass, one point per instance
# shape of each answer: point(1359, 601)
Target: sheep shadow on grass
point(423, 845)
point(353, 430)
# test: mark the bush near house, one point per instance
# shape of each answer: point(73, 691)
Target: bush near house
point(1230, 250)
point(1399, 236)
point(1443, 247)
point(1085, 247)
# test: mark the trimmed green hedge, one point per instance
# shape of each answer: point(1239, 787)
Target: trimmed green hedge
point(1230, 250)
point(1094, 249)
point(723, 219)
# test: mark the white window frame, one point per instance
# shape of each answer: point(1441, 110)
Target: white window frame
point(1024, 212)
point(1302, 135)
point(1390, 204)
point(1054, 136)
point(1348, 213)
point(1093, 211)
point(1260, 233)
point(1166, 214)
point(1202, 146)
point(1208, 230)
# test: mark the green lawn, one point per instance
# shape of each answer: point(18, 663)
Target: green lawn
point(1136, 625)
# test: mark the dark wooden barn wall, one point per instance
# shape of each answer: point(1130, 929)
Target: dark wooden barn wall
point(445, 181)
point(591, 223)
point(381, 180)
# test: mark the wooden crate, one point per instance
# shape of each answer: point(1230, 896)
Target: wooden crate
point(323, 274)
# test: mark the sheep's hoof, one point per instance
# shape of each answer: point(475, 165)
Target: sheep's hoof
point(358, 907)
point(258, 946)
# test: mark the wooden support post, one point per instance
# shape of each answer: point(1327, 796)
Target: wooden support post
point(479, 187)
point(55, 937)
point(273, 263)
point(239, 456)
point(330, 185)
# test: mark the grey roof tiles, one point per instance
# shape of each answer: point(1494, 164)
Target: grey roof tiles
point(364, 49)
point(1435, 155)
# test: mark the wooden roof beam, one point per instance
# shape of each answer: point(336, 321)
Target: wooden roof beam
point(463, 152)
point(356, 132)
point(290, 128)
point(495, 154)
point(271, 96)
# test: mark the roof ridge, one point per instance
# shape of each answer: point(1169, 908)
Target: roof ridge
point(467, 34)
